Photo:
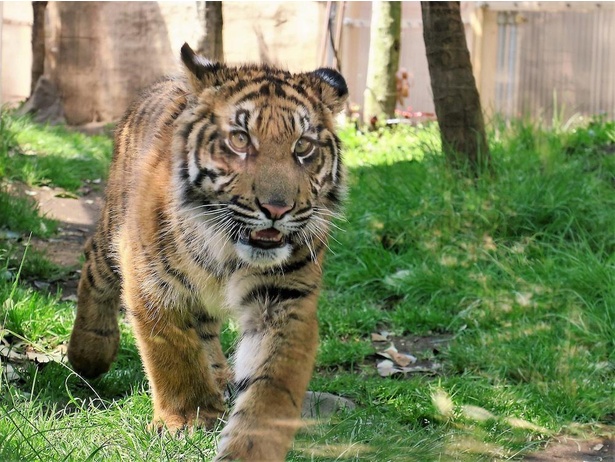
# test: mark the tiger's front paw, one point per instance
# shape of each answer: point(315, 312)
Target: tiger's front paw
point(251, 446)
point(177, 424)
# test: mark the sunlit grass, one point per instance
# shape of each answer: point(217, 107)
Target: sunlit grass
point(516, 267)
point(51, 155)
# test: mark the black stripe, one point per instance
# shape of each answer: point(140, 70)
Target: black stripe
point(243, 208)
point(197, 144)
point(275, 294)
point(109, 276)
point(239, 85)
point(143, 111)
point(191, 196)
point(204, 318)
point(109, 281)
point(299, 89)
point(184, 172)
point(103, 332)
point(186, 129)
point(258, 94)
point(279, 91)
point(246, 119)
point(264, 89)
point(90, 276)
point(206, 336)
point(246, 383)
point(201, 258)
point(175, 114)
point(165, 241)
point(205, 172)
point(299, 264)
point(303, 210)
point(211, 137)
point(334, 195)
point(227, 183)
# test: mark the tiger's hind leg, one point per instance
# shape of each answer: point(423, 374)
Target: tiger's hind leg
point(95, 337)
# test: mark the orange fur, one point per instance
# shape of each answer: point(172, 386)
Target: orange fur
point(221, 191)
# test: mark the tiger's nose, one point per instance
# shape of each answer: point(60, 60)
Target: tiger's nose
point(276, 210)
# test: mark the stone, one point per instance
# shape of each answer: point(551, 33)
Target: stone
point(320, 405)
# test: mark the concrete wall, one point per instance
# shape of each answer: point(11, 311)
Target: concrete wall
point(286, 34)
point(15, 51)
point(101, 54)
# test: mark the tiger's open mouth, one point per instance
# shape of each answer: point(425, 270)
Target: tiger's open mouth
point(269, 238)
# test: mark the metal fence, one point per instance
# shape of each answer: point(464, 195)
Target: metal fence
point(556, 64)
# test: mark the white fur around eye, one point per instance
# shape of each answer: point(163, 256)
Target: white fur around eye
point(193, 168)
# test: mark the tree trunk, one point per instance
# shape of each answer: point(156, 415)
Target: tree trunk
point(380, 92)
point(38, 43)
point(454, 89)
point(211, 45)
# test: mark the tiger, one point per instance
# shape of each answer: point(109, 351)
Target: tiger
point(223, 187)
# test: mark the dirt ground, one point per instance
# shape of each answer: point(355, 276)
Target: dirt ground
point(565, 449)
point(77, 217)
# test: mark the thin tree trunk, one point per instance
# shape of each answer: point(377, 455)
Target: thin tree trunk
point(380, 93)
point(211, 45)
point(38, 43)
point(454, 90)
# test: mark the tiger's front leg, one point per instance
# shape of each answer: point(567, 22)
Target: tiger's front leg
point(183, 361)
point(273, 366)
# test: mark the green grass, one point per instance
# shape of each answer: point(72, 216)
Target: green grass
point(50, 155)
point(40, 155)
point(517, 267)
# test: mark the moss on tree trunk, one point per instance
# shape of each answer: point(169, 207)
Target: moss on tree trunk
point(380, 93)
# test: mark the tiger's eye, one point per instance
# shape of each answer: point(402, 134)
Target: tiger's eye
point(303, 146)
point(239, 141)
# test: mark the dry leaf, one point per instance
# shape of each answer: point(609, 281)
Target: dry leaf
point(378, 337)
point(387, 368)
point(10, 373)
point(400, 359)
point(10, 353)
point(57, 355)
point(70, 298)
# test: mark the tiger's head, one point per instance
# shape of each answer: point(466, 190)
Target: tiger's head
point(260, 160)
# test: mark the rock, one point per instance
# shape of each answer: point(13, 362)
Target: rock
point(45, 104)
point(317, 405)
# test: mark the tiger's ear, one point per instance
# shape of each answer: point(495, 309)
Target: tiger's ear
point(332, 87)
point(201, 72)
